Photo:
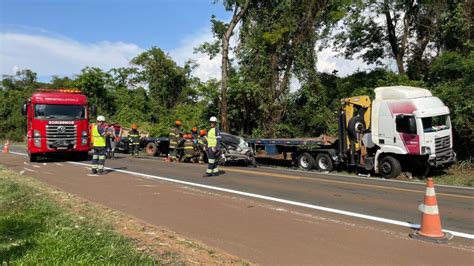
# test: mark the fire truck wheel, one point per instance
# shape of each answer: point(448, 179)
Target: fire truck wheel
point(390, 167)
point(324, 162)
point(33, 158)
point(306, 161)
point(151, 149)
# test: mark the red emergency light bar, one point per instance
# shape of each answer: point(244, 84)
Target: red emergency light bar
point(75, 91)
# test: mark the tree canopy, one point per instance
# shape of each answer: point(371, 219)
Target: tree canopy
point(273, 87)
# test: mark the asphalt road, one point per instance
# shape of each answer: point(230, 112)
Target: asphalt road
point(366, 196)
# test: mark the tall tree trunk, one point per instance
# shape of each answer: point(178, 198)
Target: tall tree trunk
point(236, 17)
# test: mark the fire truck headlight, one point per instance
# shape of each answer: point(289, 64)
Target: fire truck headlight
point(84, 141)
point(84, 133)
point(38, 143)
point(36, 134)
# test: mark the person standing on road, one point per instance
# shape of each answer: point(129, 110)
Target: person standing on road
point(110, 141)
point(174, 136)
point(202, 145)
point(134, 140)
point(99, 133)
point(213, 148)
point(118, 134)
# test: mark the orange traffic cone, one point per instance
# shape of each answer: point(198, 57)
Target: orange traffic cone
point(5, 147)
point(430, 229)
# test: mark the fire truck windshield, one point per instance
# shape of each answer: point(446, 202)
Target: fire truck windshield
point(60, 111)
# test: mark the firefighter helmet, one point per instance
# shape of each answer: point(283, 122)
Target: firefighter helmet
point(202, 132)
point(134, 126)
point(101, 118)
point(178, 122)
point(213, 119)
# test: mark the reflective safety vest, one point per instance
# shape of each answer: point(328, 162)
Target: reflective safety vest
point(189, 148)
point(97, 139)
point(212, 137)
point(134, 137)
point(173, 136)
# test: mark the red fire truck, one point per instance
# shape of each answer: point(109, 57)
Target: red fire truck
point(57, 122)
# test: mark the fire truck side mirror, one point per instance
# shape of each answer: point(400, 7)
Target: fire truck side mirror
point(93, 111)
point(23, 109)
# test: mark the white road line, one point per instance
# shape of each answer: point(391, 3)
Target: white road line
point(289, 202)
point(36, 166)
point(60, 164)
point(25, 163)
point(30, 170)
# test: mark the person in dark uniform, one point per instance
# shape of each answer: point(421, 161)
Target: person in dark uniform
point(174, 136)
point(202, 145)
point(189, 147)
point(134, 140)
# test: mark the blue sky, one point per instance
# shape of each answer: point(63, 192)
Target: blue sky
point(146, 23)
point(61, 37)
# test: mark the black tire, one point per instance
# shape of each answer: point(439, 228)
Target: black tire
point(33, 158)
point(151, 149)
point(83, 156)
point(352, 126)
point(306, 161)
point(390, 167)
point(324, 162)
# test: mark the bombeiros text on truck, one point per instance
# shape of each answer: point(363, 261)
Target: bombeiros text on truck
point(404, 128)
point(57, 122)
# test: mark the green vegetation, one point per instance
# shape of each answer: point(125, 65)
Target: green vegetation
point(461, 174)
point(429, 42)
point(34, 229)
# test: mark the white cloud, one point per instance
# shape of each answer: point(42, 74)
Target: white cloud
point(55, 55)
point(207, 68)
point(328, 61)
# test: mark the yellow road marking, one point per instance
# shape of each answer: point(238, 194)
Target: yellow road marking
point(339, 182)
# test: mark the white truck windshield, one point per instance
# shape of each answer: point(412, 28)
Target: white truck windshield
point(435, 123)
point(60, 111)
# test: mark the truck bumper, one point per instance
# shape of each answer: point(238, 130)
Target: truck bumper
point(42, 149)
point(442, 159)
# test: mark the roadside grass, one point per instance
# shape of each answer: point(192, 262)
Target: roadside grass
point(460, 174)
point(35, 229)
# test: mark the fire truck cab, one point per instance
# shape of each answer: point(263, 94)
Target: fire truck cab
point(57, 122)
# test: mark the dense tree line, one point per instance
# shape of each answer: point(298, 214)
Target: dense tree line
point(429, 41)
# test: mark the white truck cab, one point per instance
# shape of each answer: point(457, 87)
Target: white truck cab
point(410, 123)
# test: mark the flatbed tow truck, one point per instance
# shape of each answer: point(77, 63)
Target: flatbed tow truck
point(403, 128)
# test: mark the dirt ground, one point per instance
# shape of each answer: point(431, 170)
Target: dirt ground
point(149, 239)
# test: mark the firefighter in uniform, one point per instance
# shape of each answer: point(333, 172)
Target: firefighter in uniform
point(202, 145)
point(194, 133)
point(213, 148)
point(174, 136)
point(134, 140)
point(99, 145)
point(189, 148)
